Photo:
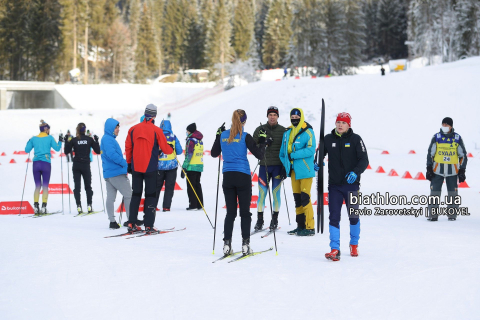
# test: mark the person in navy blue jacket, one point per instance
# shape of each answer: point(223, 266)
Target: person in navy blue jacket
point(237, 181)
point(114, 170)
point(167, 166)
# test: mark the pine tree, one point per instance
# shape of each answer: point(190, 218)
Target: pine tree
point(119, 42)
point(277, 33)
point(370, 9)
point(146, 59)
point(219, 50)
point(175, 33)
point(354, 33)
point(243, 28)
point(157, 18)
point(334, 54)
point(261, 10)
point(392, 28)
point(468, 27)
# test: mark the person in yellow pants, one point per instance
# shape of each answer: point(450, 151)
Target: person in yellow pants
point(297, 156)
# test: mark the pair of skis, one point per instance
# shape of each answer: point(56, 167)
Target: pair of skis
point(84, 214)
point(320, 155)
point(142, 233)
point(269, 232)
point(44, 214)
point(243, 256)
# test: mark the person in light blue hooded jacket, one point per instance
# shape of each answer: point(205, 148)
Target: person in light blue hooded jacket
point(114, 170)
point(167, 166)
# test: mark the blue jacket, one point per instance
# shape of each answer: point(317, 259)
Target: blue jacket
point(42, 144)
point(112, 158)
point(166, 126)
point(303, 152)
point(234, 153)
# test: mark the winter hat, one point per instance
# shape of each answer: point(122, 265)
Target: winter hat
point(150, 111)
point(345, 117)
point(295, 111)
point(273, 109)
point(192, 127)
point(448, 121)
point(43, 126)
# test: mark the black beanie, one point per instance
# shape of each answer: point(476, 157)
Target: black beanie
point(448, 121)
point(192, 127)
point(295, 111)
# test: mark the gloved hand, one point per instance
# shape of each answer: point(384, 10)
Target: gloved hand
point(351, 177)
point(60, 137)
point(95, 137)
point(316, 167)
point(221, 129)
point(269, 142)
point(283, 173)
point(461, 175)
point(129, 168)
point(262, 136)
point(430, 173)
point(182, 174)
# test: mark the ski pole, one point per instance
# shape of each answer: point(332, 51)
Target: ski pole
point(122, 207)
point(216, 204)
point(270, 199)
point(286, 203)
point(68, 177)
point(24, 182)
point(101, 185)
point(253, 173)
point(61, 168)
point(195, 192)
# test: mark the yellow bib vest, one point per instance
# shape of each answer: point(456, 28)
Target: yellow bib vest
point(446, 151)
point(197, 157)
point(168, 157)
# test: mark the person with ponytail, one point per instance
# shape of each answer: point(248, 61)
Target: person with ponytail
point(81, 145)
point(297, 155)
point(234, 144)
point(42, 166)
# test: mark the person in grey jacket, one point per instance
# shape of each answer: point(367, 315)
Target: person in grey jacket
point(446, 159)
point(276, 171)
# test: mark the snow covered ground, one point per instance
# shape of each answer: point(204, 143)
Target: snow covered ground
point(60, 267)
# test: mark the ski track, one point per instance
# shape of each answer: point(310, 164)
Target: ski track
point(58, 267)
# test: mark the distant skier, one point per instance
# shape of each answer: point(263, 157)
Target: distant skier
point(382, 70)
point(285, 73)
point(237, 182)
point(297, 155)
point(347, 160)
point(42, 143)
point(193, 166)
point(142, 148)
point(167, 166)
point(446, 159)
point(276, 171)
point(114, 171)
point(68, 155)
point(82, 145)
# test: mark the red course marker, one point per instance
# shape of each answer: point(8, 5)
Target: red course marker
point(380, 170)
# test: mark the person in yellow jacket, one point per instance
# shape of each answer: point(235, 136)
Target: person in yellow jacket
point(446, 159)
point(297, 155)
point(193, 166)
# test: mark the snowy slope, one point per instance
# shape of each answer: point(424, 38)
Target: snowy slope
point(61, 267)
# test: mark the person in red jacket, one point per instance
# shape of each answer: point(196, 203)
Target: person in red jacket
point(142, 148)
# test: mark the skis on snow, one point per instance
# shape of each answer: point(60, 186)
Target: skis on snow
point(269, 232)
point(84, 214)
point(258, 231)
point(44, 214)
point(144, 234)
point(243, 256)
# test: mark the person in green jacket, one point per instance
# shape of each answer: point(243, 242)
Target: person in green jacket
point(42, 166)
point(297, 155)
point(193, 166)
point(276, 171)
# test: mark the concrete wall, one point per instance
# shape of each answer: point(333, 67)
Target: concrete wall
point(30, 95)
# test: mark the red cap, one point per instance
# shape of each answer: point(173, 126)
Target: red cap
point(344, 116)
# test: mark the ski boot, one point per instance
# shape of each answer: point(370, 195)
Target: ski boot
point(36, 207)
point(294, 231)
point(132, 228)
point(44, 208)
point(246, 247)
point(259, 224)
point(79, 209)
point(306, 233)
point(227, 247)
point(151, 230)
point(274, 222)
point(166, 209)
point(354, 250)
point(334, 255)
point(89, 208)
point(432, 219)
point(452, 218)
point(114, 225)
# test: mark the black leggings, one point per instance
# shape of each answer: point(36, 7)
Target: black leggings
point(237, 185)
point(82, 169)
point(149, 205)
